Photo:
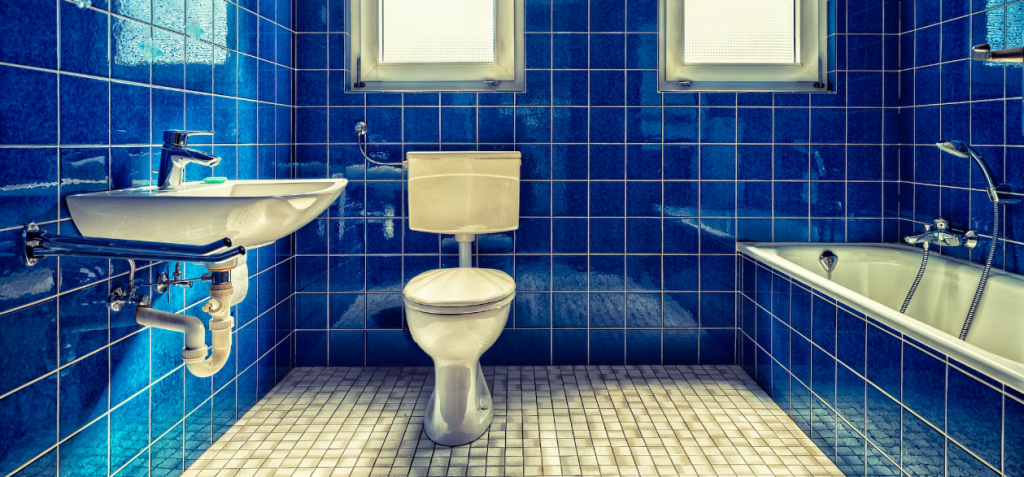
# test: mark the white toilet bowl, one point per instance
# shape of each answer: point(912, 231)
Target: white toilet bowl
point(455, 315)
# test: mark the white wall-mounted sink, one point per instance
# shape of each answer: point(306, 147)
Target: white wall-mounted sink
point(250, 213)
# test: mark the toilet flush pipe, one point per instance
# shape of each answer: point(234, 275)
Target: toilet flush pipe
point(195, 352)
point(465, 249)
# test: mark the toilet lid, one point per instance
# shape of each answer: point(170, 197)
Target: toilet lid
point(459, 287)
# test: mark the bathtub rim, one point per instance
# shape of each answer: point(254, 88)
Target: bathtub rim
point(1007, 372)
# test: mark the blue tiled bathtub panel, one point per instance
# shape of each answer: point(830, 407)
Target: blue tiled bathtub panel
point(876, 401)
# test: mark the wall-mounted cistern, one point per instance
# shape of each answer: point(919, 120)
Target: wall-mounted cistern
point(175, 156)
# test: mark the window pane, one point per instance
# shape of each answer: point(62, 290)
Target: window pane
point(739, 31)
point(437, 31)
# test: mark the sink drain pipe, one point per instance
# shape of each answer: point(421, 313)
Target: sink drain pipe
point(195, 352)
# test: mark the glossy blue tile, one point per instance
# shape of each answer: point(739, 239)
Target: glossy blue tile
point(607, 88)
point(643, 347)
point(496, 125)
point(570, 51)
point(32, 41)
point(800, 406)
point(565, 15)
point(533, 310)
point(878, 465)
point(30, 427)
point(167, 457)
point(850, 450)
point(83, 40)
point(960, 463)
point(717, 273)
point(311, 348)
point(347, 348)
point(534, 236)
point(533, 273)
point(883, 362)
point(458, 125)
point(1013, 426)
point(569, 347)
point(791, 199)
point(823, 427)
point(643, 199)
point(975, 414)
point(792, 125)
point(84, 111)
point(607, 347)
point(84, 392)
point(681, 125)
point(83, 318)
point(85, 454)
point(642, 15)
point(718, 162)
point(129, 430)
point(923, 447)
point(718, 125)
point(533, 125)
point(924, 383)
point(607, 50)
point(570, 310)
point(682, 347)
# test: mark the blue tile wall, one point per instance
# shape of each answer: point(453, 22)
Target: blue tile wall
point(631, 200)
point(85, 95)
point(877, 402)
point(944, 95)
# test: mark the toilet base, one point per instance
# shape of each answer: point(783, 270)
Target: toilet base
point(460, 408)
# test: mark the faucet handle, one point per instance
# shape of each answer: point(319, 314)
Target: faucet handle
point(941, 224)
point(179, 137)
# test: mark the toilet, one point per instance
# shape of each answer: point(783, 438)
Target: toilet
point(456, 314)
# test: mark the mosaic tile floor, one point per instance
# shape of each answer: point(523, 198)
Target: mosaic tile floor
point(583, 420)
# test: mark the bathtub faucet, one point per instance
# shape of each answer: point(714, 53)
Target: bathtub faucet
point(940, 233)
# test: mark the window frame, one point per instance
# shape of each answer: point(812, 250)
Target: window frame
point(368, 74)
point(808, 75)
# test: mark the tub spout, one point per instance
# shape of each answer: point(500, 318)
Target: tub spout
point(195, 352)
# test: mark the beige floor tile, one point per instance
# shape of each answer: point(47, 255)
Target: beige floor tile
point(566, 420)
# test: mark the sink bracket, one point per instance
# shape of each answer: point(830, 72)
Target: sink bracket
point(37, 244)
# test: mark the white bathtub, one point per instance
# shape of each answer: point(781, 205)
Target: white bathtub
point(875, 279)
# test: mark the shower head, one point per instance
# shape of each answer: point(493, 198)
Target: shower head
point(957, 148)
point(964, 150)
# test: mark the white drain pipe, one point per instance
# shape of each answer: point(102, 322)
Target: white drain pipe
point(194, 354)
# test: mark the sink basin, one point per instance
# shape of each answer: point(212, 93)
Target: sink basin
point(250, 213)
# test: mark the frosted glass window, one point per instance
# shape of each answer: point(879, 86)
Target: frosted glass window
point(437, 31)
point(739, 31)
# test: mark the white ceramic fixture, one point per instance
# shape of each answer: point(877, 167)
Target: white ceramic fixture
point(251, 213)
point(456, 314)
point(874, 279)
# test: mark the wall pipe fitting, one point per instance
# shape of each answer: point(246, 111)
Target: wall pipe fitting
point(465, 249)
point(195, 352)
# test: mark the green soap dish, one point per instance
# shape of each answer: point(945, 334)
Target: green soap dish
point(215, 180)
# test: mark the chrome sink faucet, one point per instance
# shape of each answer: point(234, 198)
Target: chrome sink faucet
point(940, 233)
point(175, 155)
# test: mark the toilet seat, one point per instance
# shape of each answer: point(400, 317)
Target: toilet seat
point(459, 310)
point(459, 291)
